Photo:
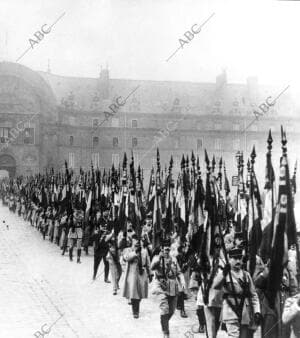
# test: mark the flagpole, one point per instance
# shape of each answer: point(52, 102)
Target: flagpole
point(220, 230)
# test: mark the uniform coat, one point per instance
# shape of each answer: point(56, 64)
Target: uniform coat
point(136, 284)
point(251, 304)
point(114, 266)
point(56, 230)
point(291, 314)
point(272, 327)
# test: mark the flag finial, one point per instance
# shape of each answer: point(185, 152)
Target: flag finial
point(213, 163)
point(207, 161)
point(253, 156)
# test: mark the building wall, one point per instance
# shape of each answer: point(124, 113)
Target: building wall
point(25, 98)
point(220, 135)
point(178, 118)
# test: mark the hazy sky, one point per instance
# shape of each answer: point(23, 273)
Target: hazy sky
point(135, 37)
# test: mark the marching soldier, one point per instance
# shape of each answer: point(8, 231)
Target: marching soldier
point(136, 275)
point(44, 225)
point(166, 284)
point(100, 251)
point(240, 301)
point(72, 236)
point(78, 220)
point(50, 218)
point(64, 233)
point(89, 225)
point(182, 259)
point(23, 208)
point(272, 326)
point(18, 206)
point(211, 300)
point(113, 257)
point(11, 204)
point(56, 229)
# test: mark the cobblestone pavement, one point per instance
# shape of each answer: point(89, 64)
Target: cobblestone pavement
point(39, 286)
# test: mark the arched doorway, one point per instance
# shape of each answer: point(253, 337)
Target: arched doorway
point(4, 174)
point(8, 163)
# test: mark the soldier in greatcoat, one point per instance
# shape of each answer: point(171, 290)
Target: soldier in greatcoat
point(136, 274)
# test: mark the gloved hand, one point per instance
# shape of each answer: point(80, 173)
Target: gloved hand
point(257, 318)
point(226, 270)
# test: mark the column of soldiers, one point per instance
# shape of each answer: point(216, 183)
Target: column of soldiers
point(175, 243)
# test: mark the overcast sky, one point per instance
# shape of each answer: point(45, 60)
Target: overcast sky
point(135, 37)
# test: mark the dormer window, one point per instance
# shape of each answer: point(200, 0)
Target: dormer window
point(134, 142)
point(115, 142)
point(95, 141)
point(71, 140)
point(95, 123)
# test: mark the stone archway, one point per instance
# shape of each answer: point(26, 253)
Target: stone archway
point(3, 173)
point(8, 163)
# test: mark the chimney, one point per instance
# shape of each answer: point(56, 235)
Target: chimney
point(221, 79)
point(103, 83)
point(252, 86)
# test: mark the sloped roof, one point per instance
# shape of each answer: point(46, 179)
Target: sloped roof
point(166, 96)
point(32, 80)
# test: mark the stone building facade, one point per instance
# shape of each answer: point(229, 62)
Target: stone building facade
point(65, 120)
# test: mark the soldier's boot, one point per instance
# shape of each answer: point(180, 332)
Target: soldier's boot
point(86, 250)
point(182, 310)
point(201, 319)
point(135, 308)
point(71, 253)
point(78, 255)
point(164, 321)
point(179, 301)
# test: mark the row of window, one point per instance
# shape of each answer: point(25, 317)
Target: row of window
point(115, 122)
point(214, 126)
point(8, 135)
point(96, 160)
point(115, 160)
point(115, 142)
point(236, 143)
point(207, 125)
